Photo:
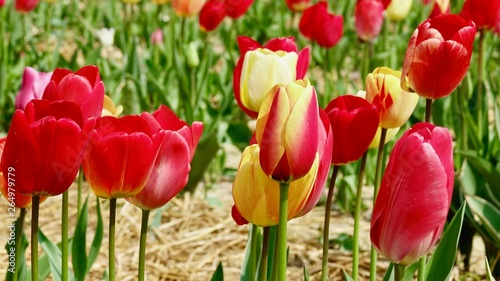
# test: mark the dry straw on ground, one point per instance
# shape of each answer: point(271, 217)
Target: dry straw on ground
point(195, 235)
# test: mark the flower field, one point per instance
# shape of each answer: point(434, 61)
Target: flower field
point(250, 140)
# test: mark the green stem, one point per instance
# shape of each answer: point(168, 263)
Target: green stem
point(357, 214)
point(142, 245)
point(282, 231)
point(111, 250)
point(366, 60)
point(326, 67)
point(326, 226)
point(19, 237)
point(480, 82)
point(79, 186)
point(264, 255)
point(378, 173)
point(421, 269)
point(64, 236)
point(35, 204)
point(253, 258)
point(428, 110)
point(399, 272)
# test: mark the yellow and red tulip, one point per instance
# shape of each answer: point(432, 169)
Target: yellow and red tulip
point(298, 5)
point(383, 90)
point(398, 9)
point(187, 8)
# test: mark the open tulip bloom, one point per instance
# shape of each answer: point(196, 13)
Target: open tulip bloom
point(412, 205)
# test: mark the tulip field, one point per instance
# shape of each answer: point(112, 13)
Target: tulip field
point(250, 140)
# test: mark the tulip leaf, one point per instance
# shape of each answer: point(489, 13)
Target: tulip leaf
point(252, 253)
point(20, 264)
point(78, 249)
point(53, 254)
point(218, 273)
point(488, 215)
point(347, 277)
point(307, 277)
point(389, 274)
point(441, 263)
point(489, 173)
point(96, 242)
point(489, 275)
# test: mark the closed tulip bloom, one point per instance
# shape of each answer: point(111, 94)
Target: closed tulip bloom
point(287, 131)
point(256, 196)
point(369, 17)
point(398, 9)
point(354, 124)
point(438, 56)
point(2, 3)
point(121, 155)
point(187, 8)
point(171, 169)
point(440, 7)
point(157, 37)
point(44, 146)
point(383, 90)
point(414, 198)
point(321, 26)
point(32, 86)
point(84, 87)
point(211, 15)
point(298, 5)
point(237, 8)
point(484, 13)
point(26, 6)
point(261, 67)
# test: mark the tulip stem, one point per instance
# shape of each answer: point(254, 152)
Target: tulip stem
point(19, 237)
point(399, 272)
point(357, 214)
point(142, 245)
point(378, 173)
point(79, 186)
point(421, 269)
point(111, 250)
point(428, 110)
point(326, 226)
point(35, 204)
point(253, 251)
point(264, 255)
point(64, 236)
point(480, 81)
point(282, 231)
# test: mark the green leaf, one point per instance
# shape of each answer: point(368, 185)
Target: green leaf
point(488, 215)
point(441, 263)
point(347, 277)
point(53, 254)
point(252, 253)
point(79, 245)
point(389, 274)
point(489, 172)
point(489, 275)
point(218, 274)
point(96, 242)
point(410, 271)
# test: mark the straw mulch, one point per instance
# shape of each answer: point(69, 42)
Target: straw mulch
point(195, 235)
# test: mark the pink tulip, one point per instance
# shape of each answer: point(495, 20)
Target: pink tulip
point(369, 17)
point(157, 37)
point(2, 3)
point(172, 166)
point(32, 86)
point(415, 195)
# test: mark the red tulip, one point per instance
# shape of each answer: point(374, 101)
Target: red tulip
point(415, 195)
point(32, 86)
point(261, 67)
point(26, 6)
point(354, 124)
point(237, 8)
point(44, 146)
point(319, 25)
point(484, 13)
point(298, 5)
point(84, 87)
point(287, 131)
point(121, 156)
point(211, 15)
point(438, 56)
point(2, 3)
point(369, 17)
point(172, 166)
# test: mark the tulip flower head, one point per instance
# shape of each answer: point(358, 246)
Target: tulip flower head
point(398, 9)
point(187, 8)
point(84, 87)
point(484, 13)
point(45, 145)
point(26, 6)
point(369, 17)
point(172, 166)
point(321, 26)
point(212, 14)
point(383, 90)
point(157, 37)
point(237, 8)
point(261, 67)
point(438, 56)
point(298, 5)
point(32, 86)
point(287, 131)
point(121, 155)
point(354, 124)
point(2, 3)
point(412, 205)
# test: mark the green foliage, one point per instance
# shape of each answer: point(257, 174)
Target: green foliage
point(218, 273)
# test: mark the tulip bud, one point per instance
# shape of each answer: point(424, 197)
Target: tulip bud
point(414, 198)
point(26, 6)
point(321, 26)
point(157, 37)
point(32, 86)
point(193, 60)
point(369, 17)
point(237, 8)
point(211, 15)
point(484, 13)
point(383, 90)
point(398, 9)
point(438, 56)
